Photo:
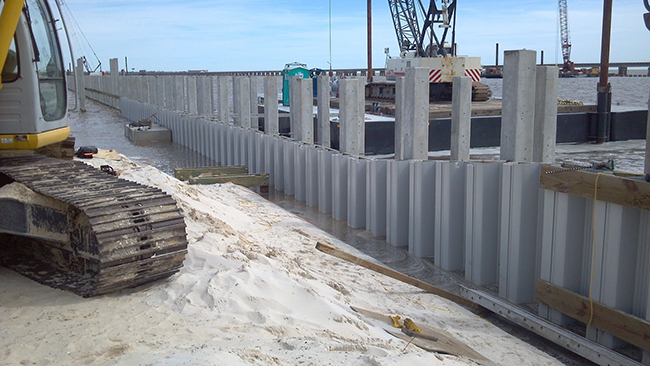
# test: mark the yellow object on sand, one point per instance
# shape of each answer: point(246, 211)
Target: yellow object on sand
point(410, 325)
point(395, 319)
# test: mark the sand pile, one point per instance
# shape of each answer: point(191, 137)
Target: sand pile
point(253, 290)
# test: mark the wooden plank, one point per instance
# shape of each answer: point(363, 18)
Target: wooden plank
point(186, 173)
point(624, 191)
point(431, 339)
point(398, 276)
point(625, 326)
point(249, 180)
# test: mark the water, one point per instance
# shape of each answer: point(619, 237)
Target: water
point(626, 91)
point(103, 127)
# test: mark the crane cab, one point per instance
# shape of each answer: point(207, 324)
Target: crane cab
point(33, 96)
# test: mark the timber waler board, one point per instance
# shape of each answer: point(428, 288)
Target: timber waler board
point(86, 231)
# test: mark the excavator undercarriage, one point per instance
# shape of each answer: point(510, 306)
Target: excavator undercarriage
point(70, 226)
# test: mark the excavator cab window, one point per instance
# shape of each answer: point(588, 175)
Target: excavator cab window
point(10, 71)
point(47, 58)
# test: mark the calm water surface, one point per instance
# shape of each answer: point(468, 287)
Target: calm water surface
point(626, 91)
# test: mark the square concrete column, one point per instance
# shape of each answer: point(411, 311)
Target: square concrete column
point(169, 92)
point(223, 109)
point(306, 110)
point(518, 108)
point(81, 85)
point(115, 71)
point(160, 91)
point(461, 118)
point(179, 94)
point(241, 100)
point(545, 114)
point(145, 89)
point(151, 89)
point(412, 115)
point(137, 82)
point(323, 125)
point(294, 115)
point(192, 98)
point(352, 117)
point(236, 103)
point(204, 91)
point(400, 82)
point(271, 105)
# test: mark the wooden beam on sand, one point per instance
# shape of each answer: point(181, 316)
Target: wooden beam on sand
point(624, 191)
point(247, 180)
point(622, 325)
point(398, 276)
point(186, 173)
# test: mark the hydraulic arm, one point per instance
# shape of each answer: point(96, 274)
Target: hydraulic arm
point(8, 22)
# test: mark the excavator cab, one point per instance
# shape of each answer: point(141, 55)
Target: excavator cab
point(33, 97)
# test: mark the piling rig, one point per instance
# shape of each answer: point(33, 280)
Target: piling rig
point(568, 68)
point(422, 33)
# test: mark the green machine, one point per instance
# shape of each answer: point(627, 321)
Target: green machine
point(292, 69)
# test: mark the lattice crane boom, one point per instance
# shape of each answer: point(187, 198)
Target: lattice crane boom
point(564, 36)
point(415, 25)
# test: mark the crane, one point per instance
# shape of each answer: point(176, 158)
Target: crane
point(423, 29)
point(411, 36)
point(567, 67)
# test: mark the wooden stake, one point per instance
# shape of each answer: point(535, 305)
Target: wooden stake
point(398, 276)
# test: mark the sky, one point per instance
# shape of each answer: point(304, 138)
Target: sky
point(256, 35)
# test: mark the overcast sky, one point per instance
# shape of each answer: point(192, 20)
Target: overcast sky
point(227, 35)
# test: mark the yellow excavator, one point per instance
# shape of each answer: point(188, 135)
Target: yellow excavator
point(64, 223)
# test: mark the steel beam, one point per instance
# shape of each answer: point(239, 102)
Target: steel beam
point(564, 338)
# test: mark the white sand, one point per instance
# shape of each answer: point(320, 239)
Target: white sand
point(253, 290)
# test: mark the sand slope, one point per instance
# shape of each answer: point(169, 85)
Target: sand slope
point(253, 291)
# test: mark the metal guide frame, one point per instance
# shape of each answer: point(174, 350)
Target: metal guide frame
point(573, 342)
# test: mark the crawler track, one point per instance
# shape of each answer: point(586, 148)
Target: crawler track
point(122, 234)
